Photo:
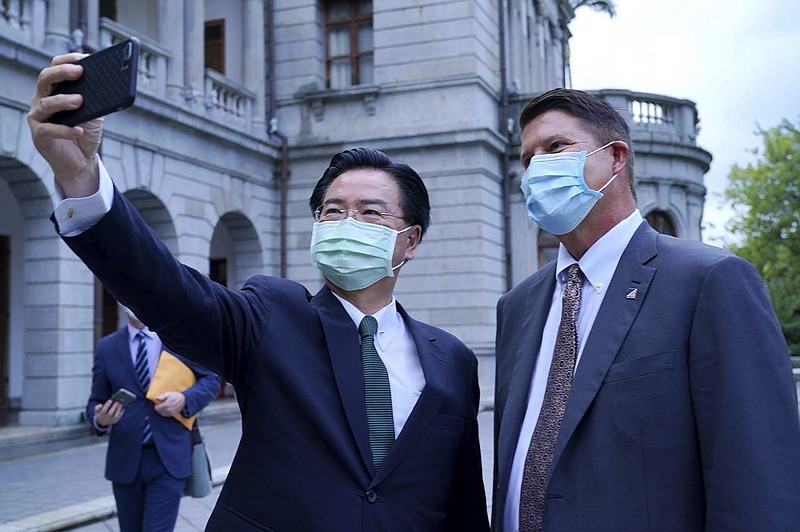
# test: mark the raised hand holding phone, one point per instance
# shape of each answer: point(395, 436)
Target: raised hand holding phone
point(71, 151)
point(108, 83)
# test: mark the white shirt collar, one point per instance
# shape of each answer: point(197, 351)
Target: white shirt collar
point(133, 331)
point(389, 320)
point(600, 261)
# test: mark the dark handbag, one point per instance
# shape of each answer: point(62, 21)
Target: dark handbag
point(199, 482)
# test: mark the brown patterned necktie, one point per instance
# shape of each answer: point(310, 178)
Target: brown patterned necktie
point(536, 473)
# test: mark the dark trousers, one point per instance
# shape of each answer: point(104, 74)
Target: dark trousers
point(149, 503)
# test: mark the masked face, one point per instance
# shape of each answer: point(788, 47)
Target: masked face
point(556, 192)
point(354, 255)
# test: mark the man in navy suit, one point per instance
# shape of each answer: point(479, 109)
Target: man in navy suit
point(355, 416)
point(669, 403)
point(149, 451)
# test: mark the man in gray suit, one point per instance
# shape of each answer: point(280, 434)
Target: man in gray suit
point(643, 382)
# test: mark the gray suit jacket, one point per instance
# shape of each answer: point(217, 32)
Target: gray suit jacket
point(683, 411)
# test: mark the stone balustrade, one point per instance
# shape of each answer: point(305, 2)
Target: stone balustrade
point(655, 117)
point(228, 101)
point(17, 14)
point(152, 57)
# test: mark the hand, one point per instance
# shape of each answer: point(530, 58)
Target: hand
point(170, 403)
point(108, 413)
point(70, 151)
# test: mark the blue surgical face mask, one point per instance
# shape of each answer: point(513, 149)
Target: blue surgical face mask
point(556, 193)
point(354, 255)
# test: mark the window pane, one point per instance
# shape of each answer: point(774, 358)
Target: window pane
point(338, 42)
point(338, 10)
point(365, 38)
point(340, 73)
point(365, 66)
point(364, 7)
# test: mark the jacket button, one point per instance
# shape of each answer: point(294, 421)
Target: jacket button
point(372, 496)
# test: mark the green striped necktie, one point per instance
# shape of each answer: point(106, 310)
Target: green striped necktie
point(377, 393)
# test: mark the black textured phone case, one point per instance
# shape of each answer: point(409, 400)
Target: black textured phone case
point(108, 83)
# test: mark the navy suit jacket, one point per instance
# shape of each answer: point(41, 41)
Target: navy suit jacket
point(304, 459)
point(683, 410)
point(113, 369)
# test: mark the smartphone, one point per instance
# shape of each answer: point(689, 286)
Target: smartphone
point(123, 397)
point(108, 83)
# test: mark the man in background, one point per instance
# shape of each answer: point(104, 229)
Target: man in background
point(643, 382)
point(149, 450)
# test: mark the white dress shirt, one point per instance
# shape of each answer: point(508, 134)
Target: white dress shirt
point(598, 265)
point(397, 350)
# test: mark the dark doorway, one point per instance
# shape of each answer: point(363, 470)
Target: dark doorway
point(106, 316)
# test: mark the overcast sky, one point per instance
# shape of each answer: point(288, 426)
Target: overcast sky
point(738, 60)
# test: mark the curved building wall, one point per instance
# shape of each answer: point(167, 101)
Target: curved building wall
point(192, 153)
point(669, 165)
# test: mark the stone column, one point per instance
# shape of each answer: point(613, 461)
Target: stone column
point(254, 78)
point(171, 35)
point(57, 34)
point(194, 45)
point(92, 37)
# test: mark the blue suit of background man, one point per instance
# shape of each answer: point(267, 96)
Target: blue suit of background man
point(148, 480)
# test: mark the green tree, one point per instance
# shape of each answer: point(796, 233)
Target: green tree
point(607, 6)
point(766, 199)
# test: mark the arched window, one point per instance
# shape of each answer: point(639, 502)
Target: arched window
point(661, 222)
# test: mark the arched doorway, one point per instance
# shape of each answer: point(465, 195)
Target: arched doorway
point(236, 253)
point(106, 315)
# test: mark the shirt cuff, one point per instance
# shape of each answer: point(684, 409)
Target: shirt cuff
point(98, 428)
point(76, 215)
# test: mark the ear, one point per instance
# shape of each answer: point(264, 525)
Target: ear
point(620, 154)
point(414, 236)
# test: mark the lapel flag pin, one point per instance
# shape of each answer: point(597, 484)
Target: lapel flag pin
point(632, 294)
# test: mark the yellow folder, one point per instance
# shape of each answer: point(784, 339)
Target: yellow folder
point(172, 375)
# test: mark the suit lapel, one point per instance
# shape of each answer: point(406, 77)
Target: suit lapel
point(519, 389)
point(429, 402)
point(614, 320)
point(345, 353)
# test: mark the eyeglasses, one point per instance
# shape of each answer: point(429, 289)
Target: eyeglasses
point(364, 214)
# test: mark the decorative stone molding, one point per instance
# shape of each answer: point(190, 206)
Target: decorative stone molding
point(318, 99)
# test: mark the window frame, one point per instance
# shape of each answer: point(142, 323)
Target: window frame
point(352, 22)
point(220, 22)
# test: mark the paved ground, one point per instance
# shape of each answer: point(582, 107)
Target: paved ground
point(47, 490)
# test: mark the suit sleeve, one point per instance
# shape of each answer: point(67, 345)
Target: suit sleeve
point(467, 511)
point(101, 389)
point(745, 403)
point(194, 316)
point(203, 392)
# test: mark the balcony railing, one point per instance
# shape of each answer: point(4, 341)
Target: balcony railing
point(17, 15)
point(152, 57)
point(228, 101)
point(656, 116)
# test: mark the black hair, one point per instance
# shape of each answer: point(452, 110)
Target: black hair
point(414, 196)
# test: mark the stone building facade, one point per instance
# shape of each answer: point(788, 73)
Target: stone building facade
point(242, 103)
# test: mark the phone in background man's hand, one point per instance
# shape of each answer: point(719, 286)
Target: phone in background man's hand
point(123, 397)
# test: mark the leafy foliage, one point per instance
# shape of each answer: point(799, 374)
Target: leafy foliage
point(766, 198)
point(607, 6)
